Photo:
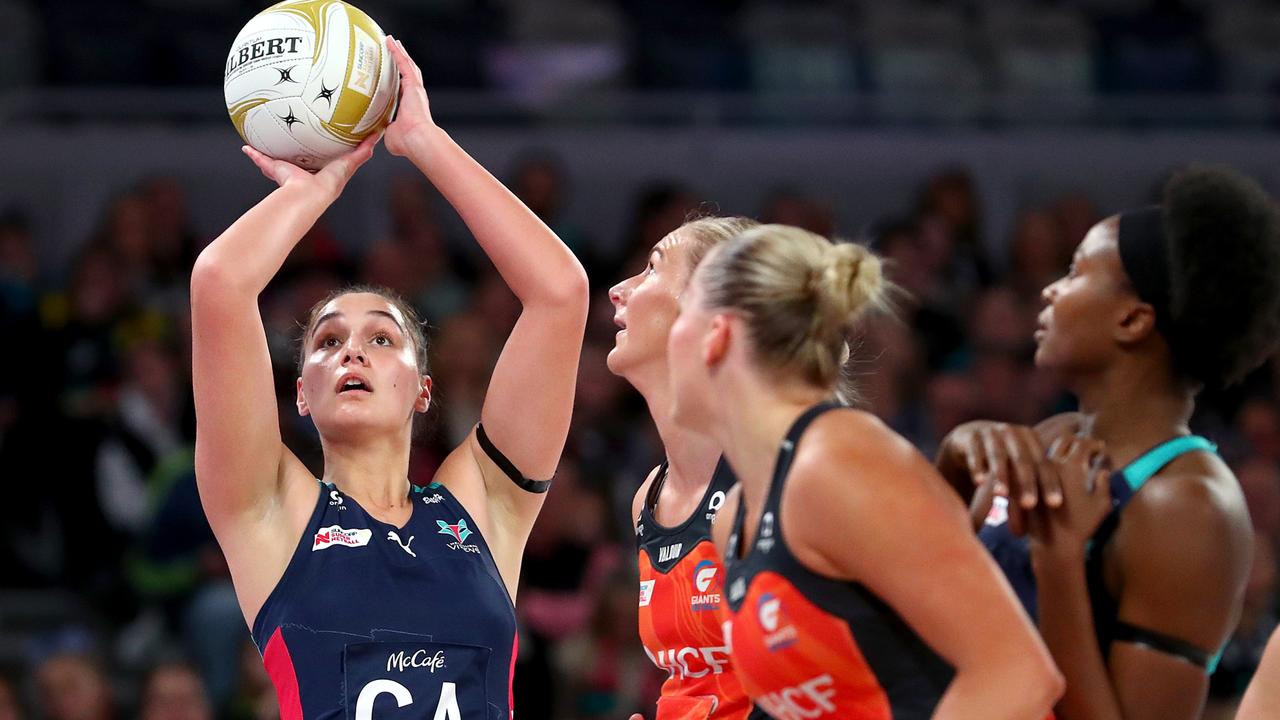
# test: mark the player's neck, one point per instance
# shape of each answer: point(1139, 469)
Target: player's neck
point(691, 456)
point(1134, 407)
point(756, 414)
point(374, 472)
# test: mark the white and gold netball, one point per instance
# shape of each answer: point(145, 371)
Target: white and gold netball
point(307, 80)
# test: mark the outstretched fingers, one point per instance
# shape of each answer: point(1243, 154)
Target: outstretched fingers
point(274, 169)
point(409, 69)
point(264, 164)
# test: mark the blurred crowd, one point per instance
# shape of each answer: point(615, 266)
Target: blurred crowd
point(537, 50)
point(115, 600)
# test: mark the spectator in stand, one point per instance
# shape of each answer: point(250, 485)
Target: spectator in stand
point(952, 221)
point(72, 686)
point(604, 671)
point(10, 708)
point(174, 241)
point(436, 287)
point(789, 206)
point(19, 269)
point(912, 267)
point(539, 180)
point(174, 691)
point(1038, 254)
point(661, 207)
point(1259, 423)
point(566, 564)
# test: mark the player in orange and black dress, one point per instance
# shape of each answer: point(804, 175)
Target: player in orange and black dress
point(681, 593)
point(681, 581)
point(855, 587)
point(772, 595)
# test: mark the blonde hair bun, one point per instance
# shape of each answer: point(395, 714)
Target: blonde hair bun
point(851, 281)
point(801, 295)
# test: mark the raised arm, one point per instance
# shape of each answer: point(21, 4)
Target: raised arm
point(241, 463)
point(904, 537)
point(530, 396)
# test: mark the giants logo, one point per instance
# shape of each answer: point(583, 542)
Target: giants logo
point(768, 609)
point(810, 699)
point(704, 577)
point(779, 633)
point(691, 662)
point(334, 535)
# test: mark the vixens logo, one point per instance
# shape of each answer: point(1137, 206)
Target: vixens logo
point(460, 532)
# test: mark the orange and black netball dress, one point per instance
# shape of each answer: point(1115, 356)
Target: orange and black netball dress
point(807, 646)
point(681, 589)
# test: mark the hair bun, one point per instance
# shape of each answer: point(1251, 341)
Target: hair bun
point(850, 281)
point(800, 293)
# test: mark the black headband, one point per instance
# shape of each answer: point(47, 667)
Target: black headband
point(1144, 252)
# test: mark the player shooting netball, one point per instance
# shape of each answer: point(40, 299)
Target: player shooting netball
point(365, 594)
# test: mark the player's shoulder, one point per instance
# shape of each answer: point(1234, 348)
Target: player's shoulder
point(849, 437)
point(1195, 497)
point(852, 427)
point(852, 462)
point(1188, 520)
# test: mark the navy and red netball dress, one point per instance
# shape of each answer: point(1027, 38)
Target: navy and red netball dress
point(371, 620)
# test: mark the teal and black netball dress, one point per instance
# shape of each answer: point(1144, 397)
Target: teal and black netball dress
point(1013, 555)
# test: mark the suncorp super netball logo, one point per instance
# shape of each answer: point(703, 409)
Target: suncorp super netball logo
point(704, 580)
point(335, 535)
point(779, 633)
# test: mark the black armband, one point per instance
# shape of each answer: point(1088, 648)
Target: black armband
point(1152, 640)
point(524, 483)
